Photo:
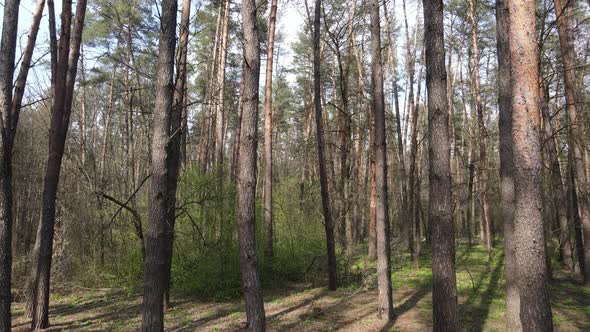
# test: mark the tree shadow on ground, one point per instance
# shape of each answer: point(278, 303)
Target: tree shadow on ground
point(297, 306)
point(476, 314)
point(570, 299)
point(199, 323)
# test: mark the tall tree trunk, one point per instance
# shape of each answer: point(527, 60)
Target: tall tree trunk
point(268, 212)
point(372, 226)
point(210, 99)
point(317, 102)
point(159, 231)
point(444, 287)
point(19, 91)
point(345, 133)
point(575, 126)
point(573, 214)
point(176, 132)
point(511, 317)
point(237, 133)
point(400, 146)
point(535, 308)
point(219, 104)
point(456, 171)
point(247, 169)
point(61, 110)
point(413, 191)
point(53, 51)
point(385, 302)
point(7, 54)
point(558, 190)
point(21, 79)
point(408, 224)
point(483, 163)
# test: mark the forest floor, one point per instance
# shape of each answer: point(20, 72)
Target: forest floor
point(307, 307)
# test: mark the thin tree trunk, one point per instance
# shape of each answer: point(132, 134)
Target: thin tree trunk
point(400, 145)
point(159, 231)
point(21, 79)
point(7, 54)
point(237, 133)
point(60, 117)
point(575, 125)
point(20, 84)
point(385, 302)
point(247, 169)
point(558, 191)
point(268, 212)
point(328, 222)
point(219, 104)
point(414, 193)
point(456, 172)
point(176, 130)
point(372, 231)
point(511, 317)
point(573, 214)
point(444, 288)
point(345, 132)
point(408, 225)
point(210, 100)
point(483, 163)
point(535, 308)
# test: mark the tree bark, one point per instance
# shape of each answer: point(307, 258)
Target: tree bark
point(159, 231)
point(61, 110)
point(268, 211)
point(575, 126)
point(7, 54)
point(535, 308)
point(511, 317)
point(247, 169)
point(444, 286)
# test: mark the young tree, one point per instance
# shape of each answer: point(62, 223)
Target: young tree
point(385, 310)
point(575, 125)
point(157, 248)
point(317, 102)
point(7, 55)
point(511, 317)
point(268, 213)
point(61, 109)
point(444, 286)
point(246, 213)
point(535, 308)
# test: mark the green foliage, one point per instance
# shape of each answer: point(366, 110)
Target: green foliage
point(206, 261)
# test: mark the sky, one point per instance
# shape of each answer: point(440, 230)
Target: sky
point(290, 21)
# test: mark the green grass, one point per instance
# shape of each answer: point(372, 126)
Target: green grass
point(480, 289)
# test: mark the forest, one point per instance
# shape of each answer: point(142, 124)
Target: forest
point(295, 165)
